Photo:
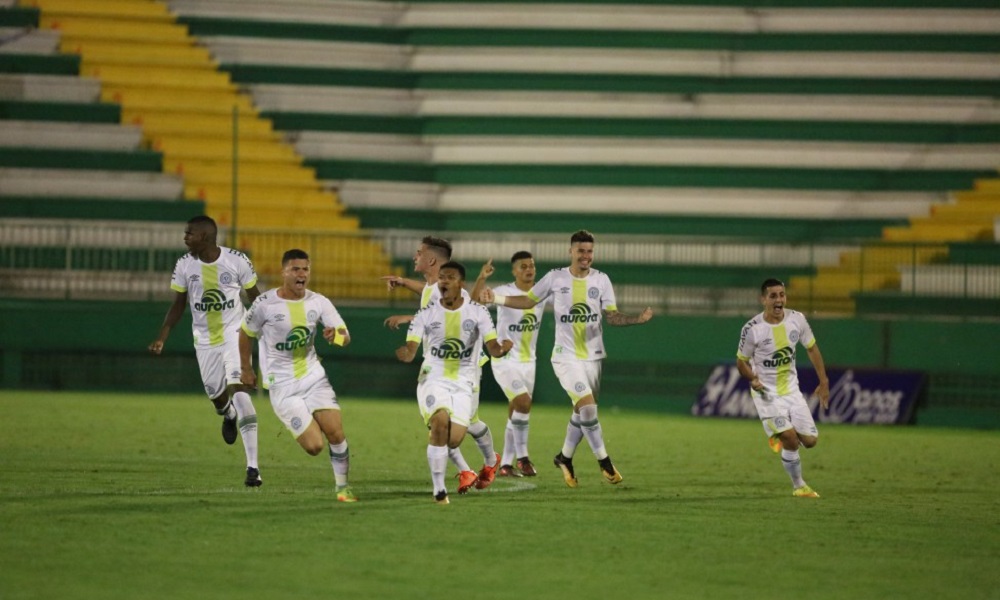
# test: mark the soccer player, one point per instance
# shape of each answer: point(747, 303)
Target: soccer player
point(453, 331)
point(766, 357)
point(430, 255)
point(515, 373)
point(285, 320)
point(209, 278)
point(579, 295)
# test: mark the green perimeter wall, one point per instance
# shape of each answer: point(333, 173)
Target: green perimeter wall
point(658, 366)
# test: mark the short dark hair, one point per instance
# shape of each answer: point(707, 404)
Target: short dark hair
point(206, 222)
point(293, 254)
point(770, 283)
point(581, 236)
point(520, 255)
point(440, 246)
point(454, 265)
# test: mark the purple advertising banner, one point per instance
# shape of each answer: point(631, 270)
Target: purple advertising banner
point(859, 396)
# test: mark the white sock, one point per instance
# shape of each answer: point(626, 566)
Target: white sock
point(793, 466)
point(573, 436)
point(247, 422)
point(437, 460)
point(484, 440)
point(591, 428)
point(508, 445)
point(456, 457)
point(520, 423)
point(340, 459)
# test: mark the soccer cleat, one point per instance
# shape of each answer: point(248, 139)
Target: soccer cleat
point(466, 479)
point(566, 465)
point(805, 492)
point(774, 443)
point(507, 471)
point(487, 474)
point(253, 478)
point(441, 497)
point(526, 467)
point(611, 474)
point(346, 494)
point(229, 429)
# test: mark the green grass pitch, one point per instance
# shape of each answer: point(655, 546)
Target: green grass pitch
point(128, 496)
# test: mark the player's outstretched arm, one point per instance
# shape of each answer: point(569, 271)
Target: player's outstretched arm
point(394, 281)
point(174, 314)
point(521, 302)
point(823, 389)
point(499, 350)
point(617, 319)
point(247, 375)
point(408, 352)
point(395, 321)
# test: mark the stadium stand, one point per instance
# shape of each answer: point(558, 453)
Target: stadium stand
point(183, 112)
point(730, 116)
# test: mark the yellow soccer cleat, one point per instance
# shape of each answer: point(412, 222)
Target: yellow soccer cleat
point(611, 474)
point(346, 494)
point(566, 466)
point(805, 492)
point(441, 498)
point(774, 443)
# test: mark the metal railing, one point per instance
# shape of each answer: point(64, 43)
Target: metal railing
point(132, 260)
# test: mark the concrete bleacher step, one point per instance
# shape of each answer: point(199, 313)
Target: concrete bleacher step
point(125, 54)
point(362, 146)
point(85, 285)
point(95, 183)
point(933, 231)
point(253, 173)
point(126, 30)
point(166, 100)
point(49, 88)
point(34, 41)
point(307, 53)
point(50, 134)
point(214, 149)
point(121, 9)
point(387, 194)
point(199, 124)
point(158, 77)
point(341, 99)
point(279, 218)
point(99, 208)
point(267, 11)
point(540, 150)
point(72, 112)
point(252, 196)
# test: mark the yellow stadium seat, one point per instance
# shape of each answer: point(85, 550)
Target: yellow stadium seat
point(121, 30)
point(115, 9)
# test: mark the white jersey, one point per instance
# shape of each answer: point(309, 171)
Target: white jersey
point(213, 291)
point(519, 326)
point(770, 349)
point(579, 304)
point(287, 330)
point(452, 340)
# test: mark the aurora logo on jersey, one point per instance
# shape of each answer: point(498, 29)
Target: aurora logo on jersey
point(782, 357)
point(453, 349)
point(580, 313)
point(297, 338)
point(528, 323)
point(214, 301)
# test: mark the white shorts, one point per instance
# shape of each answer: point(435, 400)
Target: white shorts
point(455, 397)
point(220, 366)
point(781, 413)
point(515, 377)
point(294, 402)
point(579, 378)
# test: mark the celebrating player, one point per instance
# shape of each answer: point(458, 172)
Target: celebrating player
point(579, 294)
point(210, 278)
point(452, 331)
point(766, 357)
point(286, 321)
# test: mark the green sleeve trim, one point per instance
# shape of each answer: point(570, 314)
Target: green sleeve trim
point(741, 357)
point(247, 331)
point(249, 285)
point(177, 288)
point(413, 338)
